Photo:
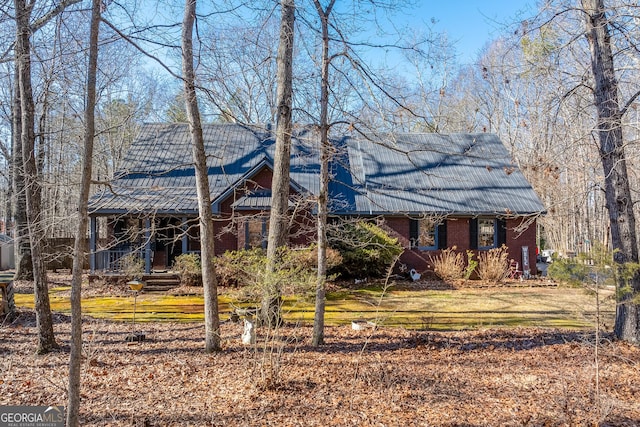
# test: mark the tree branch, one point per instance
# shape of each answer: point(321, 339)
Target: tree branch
point(52, 14)
point(629, 102)
point(140, 49)
point(39, 23)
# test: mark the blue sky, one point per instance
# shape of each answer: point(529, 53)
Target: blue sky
point(471, 23)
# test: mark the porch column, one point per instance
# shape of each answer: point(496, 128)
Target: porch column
point(185, 238)
point(147, 245)
point(93, 243)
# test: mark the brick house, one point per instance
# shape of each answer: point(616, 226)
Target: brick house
point(432, 191)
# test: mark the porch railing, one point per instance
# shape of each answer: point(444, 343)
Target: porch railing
point(113, 260)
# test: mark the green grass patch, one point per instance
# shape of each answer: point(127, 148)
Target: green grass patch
point(439, 310)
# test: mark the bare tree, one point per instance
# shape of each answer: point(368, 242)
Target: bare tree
point(619, 198)
point(32, 189)
point(354, 78)
point(58, 68)
point(323, 195)
point(22, 254)
point(278, 220)
point(512, 90)
point(582, 173)
point(239, 71)
point(22, 121)
point(80, 247)
point(207, 233)
point(23, 264)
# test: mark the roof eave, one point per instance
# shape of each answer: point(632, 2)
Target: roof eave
point(142, 212)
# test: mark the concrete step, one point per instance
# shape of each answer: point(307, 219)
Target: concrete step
point(160, 282)
point(158, 288)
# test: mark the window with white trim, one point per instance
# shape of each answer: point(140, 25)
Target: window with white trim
point(487, 233)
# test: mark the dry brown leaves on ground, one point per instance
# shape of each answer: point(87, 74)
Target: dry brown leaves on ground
point(381, 377)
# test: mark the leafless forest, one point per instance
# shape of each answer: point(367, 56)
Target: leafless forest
point(531, 86)
point(558, 84)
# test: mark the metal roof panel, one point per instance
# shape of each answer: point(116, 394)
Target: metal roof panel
point(393, 173)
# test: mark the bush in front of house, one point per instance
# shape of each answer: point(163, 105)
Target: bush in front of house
point(366, 249)
point(568, 270)
point(493, 265)
point(296, 270)
point(189, 268)
point(594, 267)
point(132, 266)
point(235, 268)
point(451, 265)
point(307, 257)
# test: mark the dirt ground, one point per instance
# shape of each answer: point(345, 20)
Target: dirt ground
point(372, 377)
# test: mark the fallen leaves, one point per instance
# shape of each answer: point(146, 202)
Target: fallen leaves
point(376, 377)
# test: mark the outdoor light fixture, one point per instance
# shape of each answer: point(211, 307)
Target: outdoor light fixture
point(136, 286)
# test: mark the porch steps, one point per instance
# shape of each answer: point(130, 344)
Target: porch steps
point(160, 282)
point(155, 282)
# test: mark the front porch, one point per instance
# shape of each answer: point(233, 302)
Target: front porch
point(149, 244)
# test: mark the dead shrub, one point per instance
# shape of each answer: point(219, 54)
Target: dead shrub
point(448, 265)
point(494, 265)
point(132, 266)
point(307, 257)
point(189, 268)
point(451, 265)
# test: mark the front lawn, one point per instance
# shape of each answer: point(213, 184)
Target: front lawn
point(413, 308)
point(490, 373)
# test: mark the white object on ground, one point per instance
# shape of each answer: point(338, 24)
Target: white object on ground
point(249, 334)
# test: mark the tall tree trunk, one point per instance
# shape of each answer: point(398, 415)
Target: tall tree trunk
point(22, 244)
point(618, 195)
point(323, 196)
point(46, 339)
point(207, 236)
point(80, 245)
point(278, 222)
point(22, 254)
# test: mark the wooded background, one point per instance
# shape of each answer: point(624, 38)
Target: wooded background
point(531, 85)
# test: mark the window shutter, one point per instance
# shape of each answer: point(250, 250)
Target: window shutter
point(473, 233)
point(413, 232)
point(502, 231)
point(245, 226)
point(442, 235)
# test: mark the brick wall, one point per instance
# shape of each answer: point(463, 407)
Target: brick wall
point(458, 235)
point(517, 238)
point(261, 180)
point(226, 241)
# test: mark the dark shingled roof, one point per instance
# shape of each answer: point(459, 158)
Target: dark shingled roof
point(464, 174)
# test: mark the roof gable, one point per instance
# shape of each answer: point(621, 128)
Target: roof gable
point(157, 173)
point(264, 164)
